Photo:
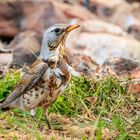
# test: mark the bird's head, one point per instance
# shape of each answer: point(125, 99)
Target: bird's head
point(54, 41)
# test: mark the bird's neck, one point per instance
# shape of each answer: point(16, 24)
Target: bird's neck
point(45, 52)
point(47, 55)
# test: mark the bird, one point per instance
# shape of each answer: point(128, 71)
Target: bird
point(47, 77)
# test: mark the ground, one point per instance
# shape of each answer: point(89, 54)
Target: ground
point(88, 109)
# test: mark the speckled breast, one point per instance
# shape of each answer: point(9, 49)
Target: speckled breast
point(46, 91)
point(56, 82)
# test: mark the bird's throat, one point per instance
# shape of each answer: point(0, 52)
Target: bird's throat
point(52, 57)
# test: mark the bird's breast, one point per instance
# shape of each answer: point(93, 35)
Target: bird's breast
point(56, 82)
point(46, 91)
point(55, 78)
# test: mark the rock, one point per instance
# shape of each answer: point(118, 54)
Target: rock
point(96, 26)
point(82, 63)
point(73, 11)
point(121, 66)
point(134, 30)
point(28, 15)
point(9, 19)
point(135, 86)
point(26, 47)
point(22, 36)
point(116, 11)
point(126, 13)
point(43, 13)
point(2, 47)
point(133, 1)
point(104, 8)
point(100, 46)
point(5, 58)
point(131, 21)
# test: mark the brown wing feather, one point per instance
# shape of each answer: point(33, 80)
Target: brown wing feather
point(28, 80)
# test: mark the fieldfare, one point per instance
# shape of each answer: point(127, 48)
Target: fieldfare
point(47, 77)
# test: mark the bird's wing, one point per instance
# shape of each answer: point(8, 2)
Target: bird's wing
point(28, 80)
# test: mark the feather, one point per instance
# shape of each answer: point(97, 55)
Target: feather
point(27, 81)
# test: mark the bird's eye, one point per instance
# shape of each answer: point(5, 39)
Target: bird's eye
point(57, 30)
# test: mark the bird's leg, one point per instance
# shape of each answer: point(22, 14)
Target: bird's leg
point(47, 121)
point(33, 114)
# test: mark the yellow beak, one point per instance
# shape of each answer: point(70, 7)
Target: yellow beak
point(71, 27)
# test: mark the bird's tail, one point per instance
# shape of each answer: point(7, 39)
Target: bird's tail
point(3, 108)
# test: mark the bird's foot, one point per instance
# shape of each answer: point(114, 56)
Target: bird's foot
point(48, 123)
point(38, 121)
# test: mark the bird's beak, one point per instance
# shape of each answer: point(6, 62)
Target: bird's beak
point(71, 27)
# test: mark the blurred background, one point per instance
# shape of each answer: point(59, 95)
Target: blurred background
point(102, 104)
point(108, 28)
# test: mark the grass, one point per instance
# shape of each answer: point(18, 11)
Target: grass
point(7, 83)
point(88, 109)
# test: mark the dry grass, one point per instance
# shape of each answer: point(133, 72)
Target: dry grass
point(87, 110)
